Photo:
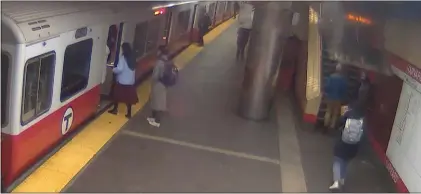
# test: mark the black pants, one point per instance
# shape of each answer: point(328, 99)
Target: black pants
point(156, 115)
point(240, 51)
point(200, 40)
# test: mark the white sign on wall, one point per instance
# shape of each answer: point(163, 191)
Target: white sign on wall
point(404, 150)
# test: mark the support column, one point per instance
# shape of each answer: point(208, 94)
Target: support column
point(271, 27)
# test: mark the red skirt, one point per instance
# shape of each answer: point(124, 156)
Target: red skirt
point(125, 94)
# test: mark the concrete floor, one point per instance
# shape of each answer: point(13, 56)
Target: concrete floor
point(203, 146)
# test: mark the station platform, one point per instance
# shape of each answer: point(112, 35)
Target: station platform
point(202, 144)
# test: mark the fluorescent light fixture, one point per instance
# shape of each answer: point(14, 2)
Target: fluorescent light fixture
point(172, 4)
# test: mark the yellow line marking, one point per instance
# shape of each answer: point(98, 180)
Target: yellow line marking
point(202, 147)
point(55, 173)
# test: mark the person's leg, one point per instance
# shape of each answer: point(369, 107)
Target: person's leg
point(338, 166)
point(114, 110)
point(201, 41)
point(155, 119)
point(242, 48)
point(237, 55)
point(157, 116)
point(336, 111)
point(328, 113)
point(344, 166)
point(129, 111)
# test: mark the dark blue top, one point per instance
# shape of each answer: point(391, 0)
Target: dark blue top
point(336, 87)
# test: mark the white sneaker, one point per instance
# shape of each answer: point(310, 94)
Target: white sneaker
point(334, 186)
point(155, 124)
point(150, 119)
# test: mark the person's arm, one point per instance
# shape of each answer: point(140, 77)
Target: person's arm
point(342, 120)
point(119, 68)
point(156, 73)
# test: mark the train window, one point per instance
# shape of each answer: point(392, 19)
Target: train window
point(111, 43)
point(154, 32)
point(139, 43)
point(38, 86)
point(5, 64)
point(183, 21)
point(76, 66)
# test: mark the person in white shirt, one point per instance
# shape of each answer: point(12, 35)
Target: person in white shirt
point(124, 90)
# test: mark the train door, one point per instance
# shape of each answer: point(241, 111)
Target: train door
point(112, 54)
point(211, 13)
point(193, 20)
point(167, 28)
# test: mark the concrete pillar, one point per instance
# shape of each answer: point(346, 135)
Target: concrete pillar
point(271, 27)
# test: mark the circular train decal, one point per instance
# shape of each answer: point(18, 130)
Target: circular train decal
point(67, 120)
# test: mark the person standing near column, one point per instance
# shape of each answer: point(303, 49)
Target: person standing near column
point(335, 88)
point(236, 9)
point(204, 24)
point(243, 35)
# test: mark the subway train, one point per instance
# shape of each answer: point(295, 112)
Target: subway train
point(55, 58)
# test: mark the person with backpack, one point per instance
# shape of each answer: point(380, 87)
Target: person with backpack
point(124, 90)
point(164, 75)
point(346, 148)
point(243, 35)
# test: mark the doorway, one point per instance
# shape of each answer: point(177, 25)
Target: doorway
point(112, 55)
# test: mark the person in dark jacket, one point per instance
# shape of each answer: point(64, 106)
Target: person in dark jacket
point(335, 91)
point(243, 35)
point(364, 91)
point(344, 152)
point(204, 24)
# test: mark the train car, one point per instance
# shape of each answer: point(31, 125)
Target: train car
point(54, 66)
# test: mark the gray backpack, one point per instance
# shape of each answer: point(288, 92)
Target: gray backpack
point(353, 131)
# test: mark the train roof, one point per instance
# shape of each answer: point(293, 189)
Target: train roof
point(31, 21)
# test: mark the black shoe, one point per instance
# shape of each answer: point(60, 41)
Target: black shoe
point(113, 111)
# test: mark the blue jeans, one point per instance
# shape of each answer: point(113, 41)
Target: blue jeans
point(339, 168)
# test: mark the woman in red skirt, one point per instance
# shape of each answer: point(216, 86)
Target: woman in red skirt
point(124, 90)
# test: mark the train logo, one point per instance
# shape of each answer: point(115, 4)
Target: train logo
point(67, 120)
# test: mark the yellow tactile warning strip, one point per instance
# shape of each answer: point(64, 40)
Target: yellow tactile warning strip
point(58, 170)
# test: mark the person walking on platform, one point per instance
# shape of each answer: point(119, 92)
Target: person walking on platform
point(204, 24)
point(335, 91)
point(346, 148)
point(158, 96)
point(124, 90)
point(364, 91)
point(236, 8)
point(242, 40)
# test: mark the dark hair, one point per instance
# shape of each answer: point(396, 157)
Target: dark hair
point(163, 49)
point(127, 53)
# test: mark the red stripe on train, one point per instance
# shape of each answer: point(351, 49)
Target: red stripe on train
point(19, 152)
